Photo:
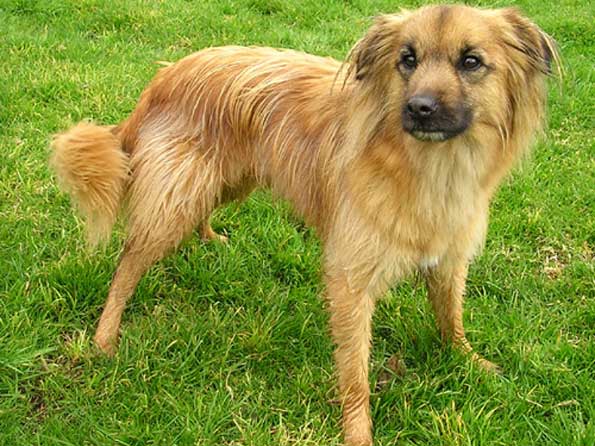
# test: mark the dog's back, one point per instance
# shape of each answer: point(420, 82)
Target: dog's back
point(206, 130)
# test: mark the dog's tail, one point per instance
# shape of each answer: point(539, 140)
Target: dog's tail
point(92, 167)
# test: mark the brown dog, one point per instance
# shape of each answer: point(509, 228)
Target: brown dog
point(393, 157)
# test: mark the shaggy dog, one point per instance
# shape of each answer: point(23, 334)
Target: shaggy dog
point(393, 157)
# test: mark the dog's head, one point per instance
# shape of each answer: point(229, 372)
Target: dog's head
point(445, 71)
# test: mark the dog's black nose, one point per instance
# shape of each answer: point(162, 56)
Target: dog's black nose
point(422, 106)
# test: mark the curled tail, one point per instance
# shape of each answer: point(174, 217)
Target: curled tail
point(91, 166)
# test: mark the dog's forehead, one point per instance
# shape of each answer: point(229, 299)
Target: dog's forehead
point(447, 29)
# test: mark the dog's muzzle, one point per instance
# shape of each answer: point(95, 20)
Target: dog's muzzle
point(427, 119)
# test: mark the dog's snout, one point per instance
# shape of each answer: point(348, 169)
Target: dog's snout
point(428, 118)
point(422, 106)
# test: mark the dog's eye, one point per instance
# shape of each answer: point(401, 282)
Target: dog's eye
point(470, 63)
point(409, 61)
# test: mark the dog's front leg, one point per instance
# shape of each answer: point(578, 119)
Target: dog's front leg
point(446, 288)
point(351, 319)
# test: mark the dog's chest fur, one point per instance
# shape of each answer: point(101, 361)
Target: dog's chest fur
point(418, 201)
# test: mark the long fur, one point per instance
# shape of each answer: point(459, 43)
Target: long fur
point(93, 169)
point(327, 137)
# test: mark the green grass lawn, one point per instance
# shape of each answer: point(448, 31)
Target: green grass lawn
point(228, 345)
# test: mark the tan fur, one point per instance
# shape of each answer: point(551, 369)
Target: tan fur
point(328, 138)
point(92, 168)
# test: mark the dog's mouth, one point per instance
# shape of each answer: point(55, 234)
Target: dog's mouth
point(434, 136)
point(430, 132)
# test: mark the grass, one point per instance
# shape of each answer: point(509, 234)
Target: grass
point(228, 345)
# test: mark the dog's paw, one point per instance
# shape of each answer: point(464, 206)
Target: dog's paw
point(358, 439)
point(485, 365)
point(107, 345)
point(357, 429)
point(207, 234)
point(220, 238)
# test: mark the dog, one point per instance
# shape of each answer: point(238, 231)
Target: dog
point(393, 156)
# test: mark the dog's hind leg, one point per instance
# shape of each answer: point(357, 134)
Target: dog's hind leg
point(138, 256)
point(238, 193)
point(133, 264)
point(172, 190)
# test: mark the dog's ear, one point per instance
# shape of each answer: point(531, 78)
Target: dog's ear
point(539, 49)
point(377, 45)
